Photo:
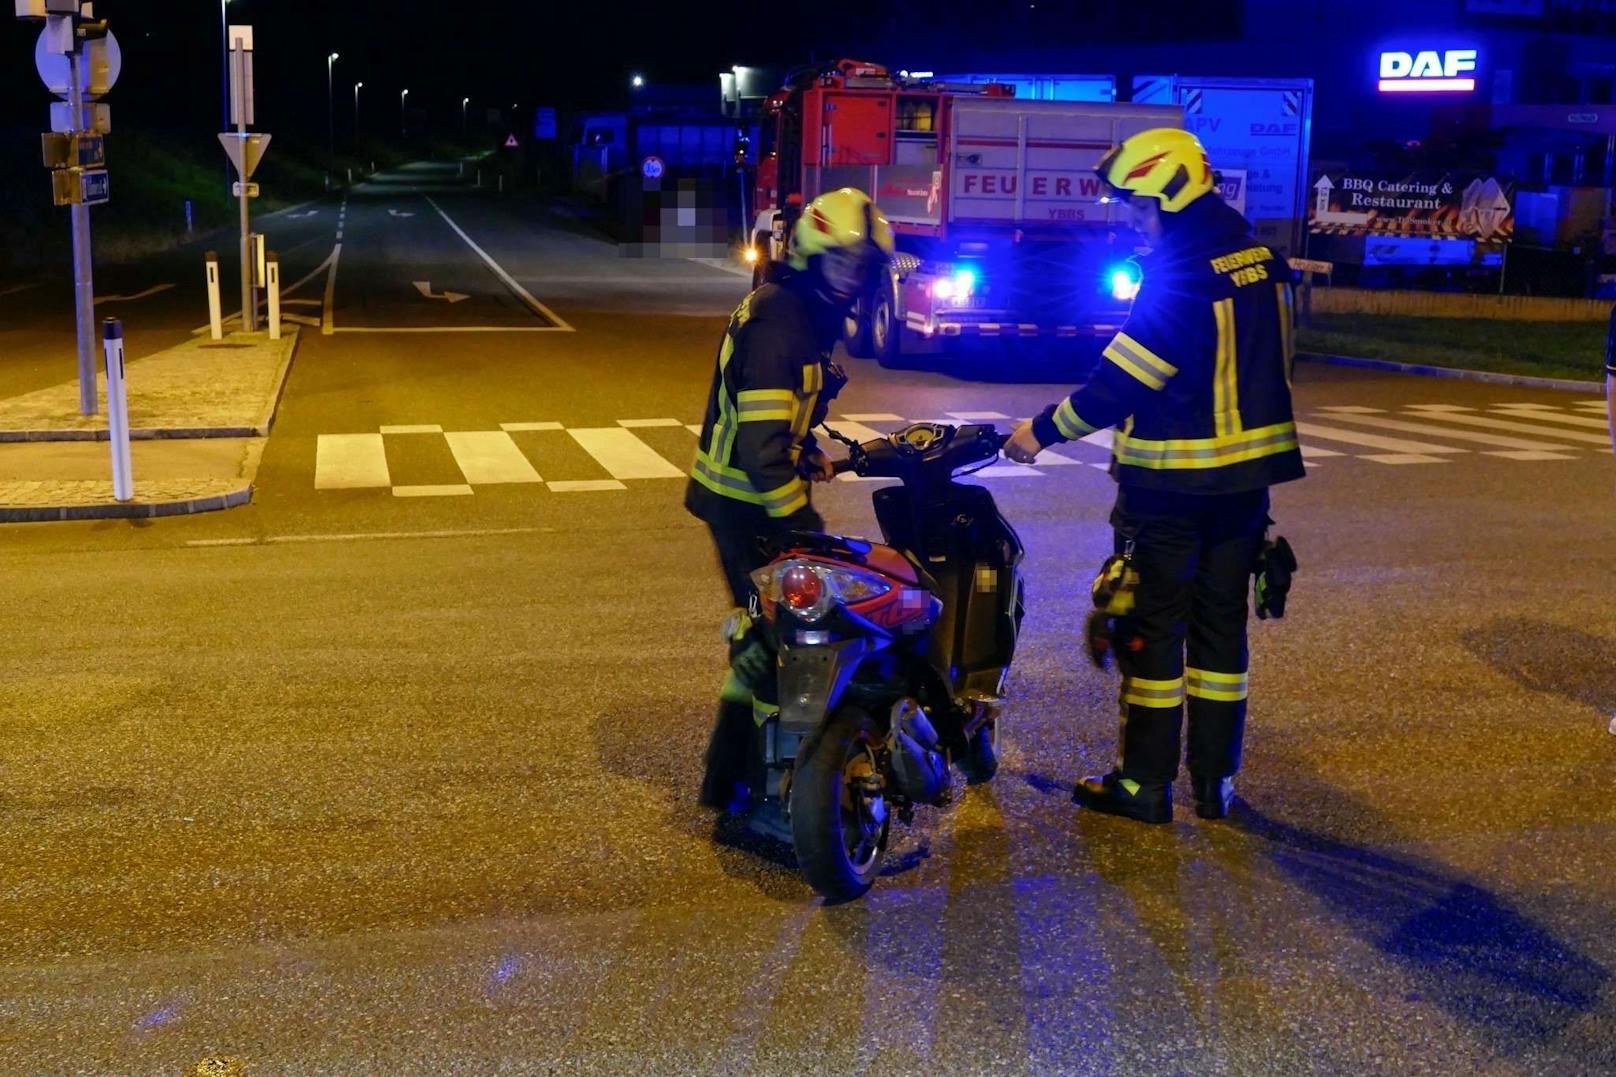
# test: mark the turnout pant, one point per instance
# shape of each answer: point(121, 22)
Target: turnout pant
point(732, 755)
point(1195, 556)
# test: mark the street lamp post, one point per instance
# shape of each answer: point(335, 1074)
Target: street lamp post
point(331, 108)
point(464, 101)
point(356, 88)
point(403, 116)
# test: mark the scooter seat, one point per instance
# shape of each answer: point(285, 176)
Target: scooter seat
point(894, 563)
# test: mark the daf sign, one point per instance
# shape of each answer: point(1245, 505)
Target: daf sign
point(1429, 71)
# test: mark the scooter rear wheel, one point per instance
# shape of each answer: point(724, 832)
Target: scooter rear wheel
point(839, 818)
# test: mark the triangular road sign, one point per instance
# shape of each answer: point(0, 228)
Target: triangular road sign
point(244, 152)
point(510, 142)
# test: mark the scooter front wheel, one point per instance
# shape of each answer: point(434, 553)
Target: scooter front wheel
point(839, 816)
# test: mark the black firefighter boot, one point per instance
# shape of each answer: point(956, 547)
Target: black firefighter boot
point(1213, 796)
point(1115, 794)
point(1142, 785)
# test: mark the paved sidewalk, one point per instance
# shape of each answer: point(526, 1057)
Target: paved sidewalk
point(199, 415)
point(202, 388)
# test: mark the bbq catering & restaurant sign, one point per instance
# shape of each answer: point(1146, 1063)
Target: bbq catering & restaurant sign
point(1448, 205)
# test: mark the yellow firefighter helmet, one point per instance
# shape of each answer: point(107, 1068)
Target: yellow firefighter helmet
point(1164, 163)
point(840, 220)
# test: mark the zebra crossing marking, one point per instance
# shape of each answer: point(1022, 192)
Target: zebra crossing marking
point(358, 461)
point(350, 462)
point(1375, 441)
point(1522, 428)
point(623, 455)
point(1516, 444)
point(1546, 417)
point(441, 490)
point(489, 457)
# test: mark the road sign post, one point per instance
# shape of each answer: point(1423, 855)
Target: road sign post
point(123, 481)
point(78, 60)
point(241, 103)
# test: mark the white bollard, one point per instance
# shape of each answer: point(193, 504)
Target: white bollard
point(123, 481)
point(272, 282)
point(215, 315)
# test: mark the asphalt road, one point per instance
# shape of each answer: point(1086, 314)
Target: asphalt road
point(398, 778)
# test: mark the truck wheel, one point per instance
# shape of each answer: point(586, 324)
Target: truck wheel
point(856, 334)
point(886, 333)
point(839, 818)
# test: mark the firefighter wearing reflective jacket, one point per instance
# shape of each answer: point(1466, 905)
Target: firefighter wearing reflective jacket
point(750, 480)
point(1197, 387)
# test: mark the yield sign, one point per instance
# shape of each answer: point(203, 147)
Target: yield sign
point(244, 151)
point(510, 142)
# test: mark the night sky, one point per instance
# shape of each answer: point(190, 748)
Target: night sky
point(567, 55)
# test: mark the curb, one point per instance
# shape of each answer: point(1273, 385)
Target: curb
point(139, 434)
point(1520, 380)
point(266, 418)
point(128, 510)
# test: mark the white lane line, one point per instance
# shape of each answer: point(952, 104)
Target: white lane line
point(1403, 458)
point(1549, 417)
point(510, 282)
point(1592, 405)
point(1007, 471)
point(444, 490)
point(870, 417)
point(1102, 438)
point(301, 319)
point(634, 424)
point(694, 428)
point(418, 428)
point(724, 264)
point(623, 455)
point(1437, 407)
point(305, 279)
point(857, 431)
point(328, 313)
point(289, 210)
point(455, 329)
point(350, 462)
point(1532, 454)
point(1313, 452)
point(580, 486)
point(1101, 467)
point(980, 416)
point(156, 289)
point(513, 427)
point(1457, 435)
point(1052, 458)
point(367, 536)
point(339, 235)
point(15, 288)
point(1353, 409)
point(489, 456)
point(1523, 428)
point(1373, 441)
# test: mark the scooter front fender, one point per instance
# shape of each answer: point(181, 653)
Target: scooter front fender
point(813, 679)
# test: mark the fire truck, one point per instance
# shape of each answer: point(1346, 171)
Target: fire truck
point(994, 200)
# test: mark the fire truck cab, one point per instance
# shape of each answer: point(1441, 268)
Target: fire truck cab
point(994, 201)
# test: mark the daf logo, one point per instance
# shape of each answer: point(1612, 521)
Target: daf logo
point(1428, 70)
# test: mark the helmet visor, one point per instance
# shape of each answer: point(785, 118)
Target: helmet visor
point(846, 269)
point(1108, 192)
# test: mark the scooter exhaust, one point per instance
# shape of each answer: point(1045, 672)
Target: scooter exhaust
point(919, 770)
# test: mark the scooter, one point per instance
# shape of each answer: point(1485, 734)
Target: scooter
point(892, 657)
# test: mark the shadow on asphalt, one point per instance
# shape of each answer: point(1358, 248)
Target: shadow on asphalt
point(1548, 658)
point(1486, 964)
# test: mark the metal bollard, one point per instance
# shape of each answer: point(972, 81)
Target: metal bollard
point(215, 315)
point(123, 482)
point(272, 282)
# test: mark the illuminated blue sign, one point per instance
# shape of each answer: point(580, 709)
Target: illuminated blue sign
point(1428, 71)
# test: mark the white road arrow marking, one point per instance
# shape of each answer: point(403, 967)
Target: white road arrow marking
point(301, 216)
point(425, 288)
point(138, 295)
point(396, 213)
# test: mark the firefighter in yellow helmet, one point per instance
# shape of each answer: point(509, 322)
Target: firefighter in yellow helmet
point(750, 481)
point(1197, 389)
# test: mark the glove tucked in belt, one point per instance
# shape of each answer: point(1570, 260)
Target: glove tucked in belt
point(1272, 579)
